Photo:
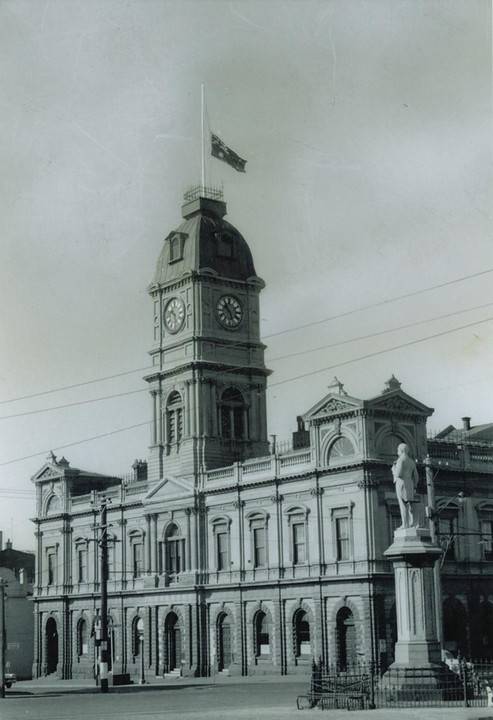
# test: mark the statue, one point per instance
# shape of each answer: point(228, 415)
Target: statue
point(405, 481)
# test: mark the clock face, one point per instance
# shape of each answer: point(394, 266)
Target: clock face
point(174, 315)
point(229, 312)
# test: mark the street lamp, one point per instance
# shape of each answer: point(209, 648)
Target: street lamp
point(140, 631)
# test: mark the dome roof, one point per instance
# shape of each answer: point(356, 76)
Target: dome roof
point(204, 242)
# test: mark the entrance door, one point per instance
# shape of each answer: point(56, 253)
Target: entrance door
point(173, 642)
point(51, 646)
point(225, 657)
point(346, 639)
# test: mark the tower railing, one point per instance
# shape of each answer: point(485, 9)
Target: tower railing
point(203, 191)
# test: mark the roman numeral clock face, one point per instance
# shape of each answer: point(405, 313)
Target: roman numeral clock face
point(229, 312)
point(174, 315)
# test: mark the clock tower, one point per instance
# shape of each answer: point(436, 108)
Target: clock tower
point(209, 378)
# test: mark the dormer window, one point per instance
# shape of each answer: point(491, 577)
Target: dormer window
point(176, 246)
point(224, 245)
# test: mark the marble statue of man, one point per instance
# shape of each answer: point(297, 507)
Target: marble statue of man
point(406, 481)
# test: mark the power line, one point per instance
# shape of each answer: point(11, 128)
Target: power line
point(73, 404)
point(379, 303)
point(74, 385)
point(379, 352)
point(280, 382)
point(265, 337)
point(241, 368)
point(77, 442)
point(380, 332)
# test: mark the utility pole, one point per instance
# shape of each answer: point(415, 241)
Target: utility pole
point(433, 519)
point(103, 647)
point(3, 639)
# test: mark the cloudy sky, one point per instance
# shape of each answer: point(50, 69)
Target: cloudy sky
point(367, 130)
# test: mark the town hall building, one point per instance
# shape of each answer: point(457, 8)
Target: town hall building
point(227, 554)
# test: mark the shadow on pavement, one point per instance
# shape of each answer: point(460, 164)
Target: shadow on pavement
point(129, 689)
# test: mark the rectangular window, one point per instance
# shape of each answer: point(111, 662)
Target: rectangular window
point(487, 539)
point(395, 522)
point(175, 556)
point(447, 532)
point(51, 568)
point(342, 538)
point(137, 559)
point(222, 550)
point(82, 565)
point(259, 549)
point(299, 555)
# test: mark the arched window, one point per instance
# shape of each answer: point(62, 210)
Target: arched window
point(174, 549)
point(82, 636)
point(233, 415)
point(301, 631)
point(346, 639)
point(137, 633)
point(341, 448)
point(262, 634)
point(174, 420)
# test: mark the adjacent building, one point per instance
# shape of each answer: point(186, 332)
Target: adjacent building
point(234, 555)
point(17, 574)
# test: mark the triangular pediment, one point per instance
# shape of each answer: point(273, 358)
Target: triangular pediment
point(331, 404)
point(47, 472)
point(397, 401)
point(169, 488)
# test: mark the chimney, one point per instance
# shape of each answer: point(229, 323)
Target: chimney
point(8, 544)
point(1, 541)
point(466, 423)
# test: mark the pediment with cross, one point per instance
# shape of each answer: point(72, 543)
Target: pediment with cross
point(168, 488)
point(332, 404)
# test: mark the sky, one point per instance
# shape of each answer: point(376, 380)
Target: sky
point(366, 127)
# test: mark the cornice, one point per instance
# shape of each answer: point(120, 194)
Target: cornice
point(208, 365)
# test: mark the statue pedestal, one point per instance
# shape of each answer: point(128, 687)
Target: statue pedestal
point(418, 663)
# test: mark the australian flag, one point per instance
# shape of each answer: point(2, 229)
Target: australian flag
point(224, 153)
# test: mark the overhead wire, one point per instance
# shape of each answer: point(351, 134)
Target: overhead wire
point(281, 382)
point(244, 367)
point(265, 337)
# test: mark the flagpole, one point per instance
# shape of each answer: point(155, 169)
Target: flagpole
point(202, 118)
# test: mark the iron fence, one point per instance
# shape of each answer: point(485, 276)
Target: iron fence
point(459, 682)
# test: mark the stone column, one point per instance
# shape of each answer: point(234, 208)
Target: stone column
point(418, 648)
point(193, 539)
point(148, 541)
point(154, 568)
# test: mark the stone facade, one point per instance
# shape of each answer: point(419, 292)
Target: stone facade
point(237, 560)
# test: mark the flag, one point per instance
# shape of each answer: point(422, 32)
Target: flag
point(224, 153)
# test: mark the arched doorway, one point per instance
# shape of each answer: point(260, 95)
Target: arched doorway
point(301, 630)
point(482, 631)
point(51, 632)
point(172, 640)
point(454, 626)
point(224, 645)
point(346, 639)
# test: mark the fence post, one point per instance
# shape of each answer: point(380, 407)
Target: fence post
point(371, 704)
point(463, 672)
